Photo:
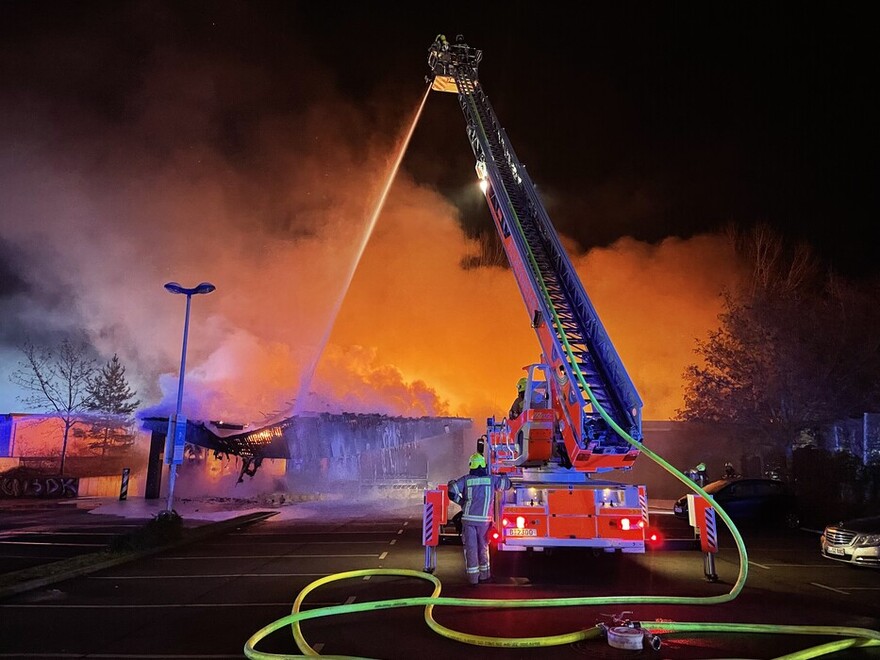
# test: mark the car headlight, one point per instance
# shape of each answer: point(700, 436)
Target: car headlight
point(868, 539)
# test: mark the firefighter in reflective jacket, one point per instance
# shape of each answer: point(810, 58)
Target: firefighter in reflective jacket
point(475, 492)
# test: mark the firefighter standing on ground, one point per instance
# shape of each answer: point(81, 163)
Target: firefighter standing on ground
point(475, 492)
point(699, 474)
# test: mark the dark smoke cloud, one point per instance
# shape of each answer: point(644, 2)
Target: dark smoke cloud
point(127, 163)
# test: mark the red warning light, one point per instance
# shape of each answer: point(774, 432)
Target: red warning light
point(653, 538)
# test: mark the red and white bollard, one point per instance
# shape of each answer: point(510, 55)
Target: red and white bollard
point(123, 486)
point(433, 518)
point(701, 515)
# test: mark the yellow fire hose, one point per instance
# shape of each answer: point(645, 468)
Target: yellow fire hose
point(853, 637)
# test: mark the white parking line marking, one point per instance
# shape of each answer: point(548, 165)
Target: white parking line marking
point(25, 532)
point(350, 600)
point(117, 656)
point(754, 563)
point(393, 541)
point(205, 575)
point(372, 530)
point(796, 565)
point(69, 545)
point(823, 586)
point(383, 555)
point(399, 532)
point(276, 543)
point(152, 606)
point(202, 557)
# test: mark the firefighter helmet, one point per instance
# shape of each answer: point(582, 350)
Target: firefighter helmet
point(476, 461)
point(521, 385)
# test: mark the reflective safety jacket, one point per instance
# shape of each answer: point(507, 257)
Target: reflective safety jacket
point(474, 493)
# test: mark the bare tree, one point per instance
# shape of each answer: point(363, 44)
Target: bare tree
point(796, 348)
point(777, 267)
point(56, 382)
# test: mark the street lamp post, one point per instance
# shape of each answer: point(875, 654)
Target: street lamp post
point(174, 287)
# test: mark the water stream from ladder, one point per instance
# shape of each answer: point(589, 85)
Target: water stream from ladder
point(309, 373)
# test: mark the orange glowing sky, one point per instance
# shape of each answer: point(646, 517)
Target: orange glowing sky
point(101, 215)
point(467, 333)
point(416, 334)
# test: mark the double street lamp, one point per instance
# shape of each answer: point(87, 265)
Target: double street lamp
point(174, 287)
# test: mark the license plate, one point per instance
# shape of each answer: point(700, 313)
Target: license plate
point(835, 551)
point(525, 531)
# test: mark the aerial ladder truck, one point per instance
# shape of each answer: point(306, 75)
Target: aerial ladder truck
point(581, 410)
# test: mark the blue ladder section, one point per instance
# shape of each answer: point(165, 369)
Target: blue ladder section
point(569, 311)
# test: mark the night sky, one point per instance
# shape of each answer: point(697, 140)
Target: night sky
point(142, 142)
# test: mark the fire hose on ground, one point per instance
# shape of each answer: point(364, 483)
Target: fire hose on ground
point(852, 637)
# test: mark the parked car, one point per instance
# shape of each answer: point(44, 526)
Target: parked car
point(855, 542)
point(750, 501)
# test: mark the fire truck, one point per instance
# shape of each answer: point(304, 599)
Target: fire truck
point(581, 416)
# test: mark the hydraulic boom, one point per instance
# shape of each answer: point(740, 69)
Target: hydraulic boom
point(589, 385)
point(581, 414)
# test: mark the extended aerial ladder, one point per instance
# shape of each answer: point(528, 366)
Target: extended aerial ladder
point(588, 373)
point(580, 401)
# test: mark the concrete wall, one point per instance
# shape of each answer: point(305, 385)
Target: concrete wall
point(9, 463)
point(110, 486)
point(331, 454)
point(31, 487)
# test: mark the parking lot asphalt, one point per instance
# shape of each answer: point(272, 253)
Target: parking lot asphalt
point(47, 541)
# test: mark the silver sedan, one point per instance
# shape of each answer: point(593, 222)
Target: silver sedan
point(856, 542)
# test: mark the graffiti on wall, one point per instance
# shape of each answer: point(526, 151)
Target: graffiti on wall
point(39, 487)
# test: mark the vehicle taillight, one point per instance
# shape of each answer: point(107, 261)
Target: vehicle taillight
point(653, 538)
